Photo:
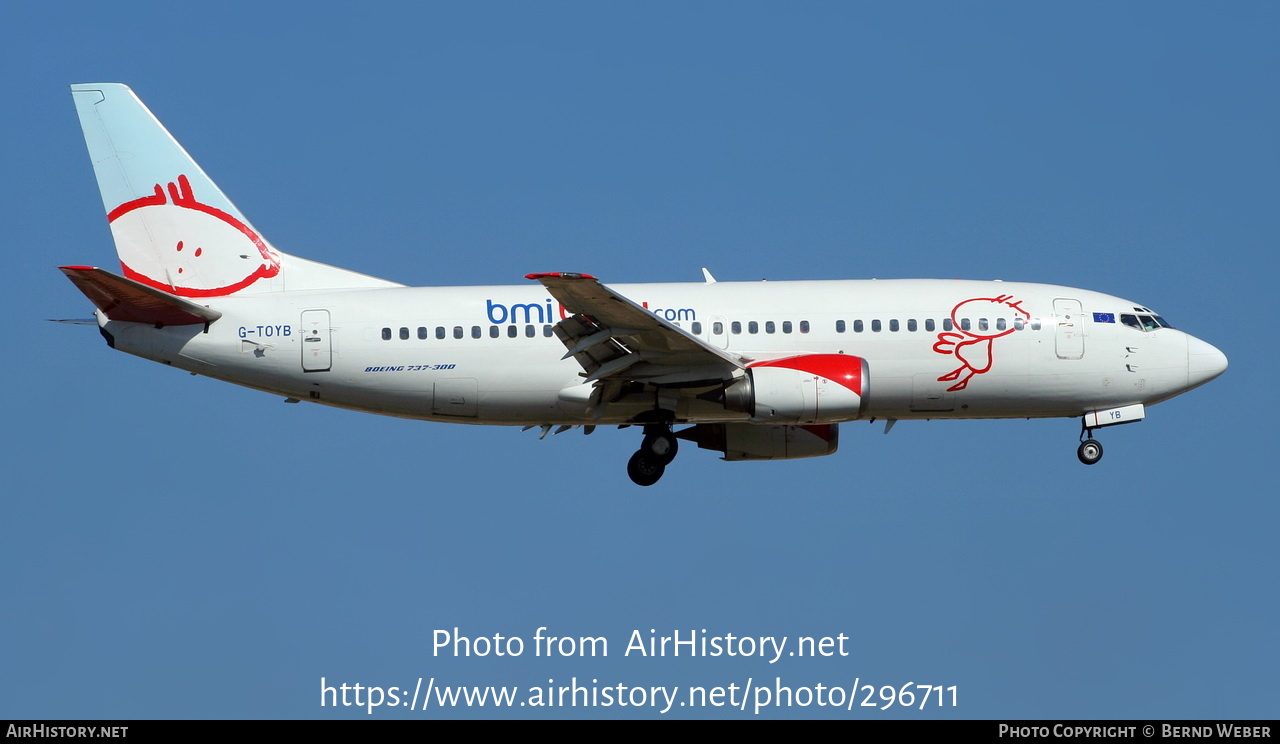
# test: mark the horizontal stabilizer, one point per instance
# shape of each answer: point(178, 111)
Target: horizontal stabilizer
point(124, 299)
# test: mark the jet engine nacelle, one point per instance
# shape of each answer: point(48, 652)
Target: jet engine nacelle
point(765, 441)
point(805, 389)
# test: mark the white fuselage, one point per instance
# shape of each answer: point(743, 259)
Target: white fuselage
point(486, 355)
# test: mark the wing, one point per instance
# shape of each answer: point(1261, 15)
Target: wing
point(616, 340)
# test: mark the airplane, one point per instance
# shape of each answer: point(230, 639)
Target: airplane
point(753, 370)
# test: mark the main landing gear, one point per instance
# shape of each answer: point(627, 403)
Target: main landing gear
point(1090, 450)
point(657, 450)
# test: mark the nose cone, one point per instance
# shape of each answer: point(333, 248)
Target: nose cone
point(1204, 362)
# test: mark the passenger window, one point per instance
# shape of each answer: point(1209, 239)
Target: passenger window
point(857, 326)
point(893, 325)
point(1035, 324)
point(1019, 324)
point(928, 325)
point(736, 326)
point(404, 333)
point(804, 326)
point(440, 332)
point(769, 327)
point(530, 331)
point(875, 326)
point(512, 331)
point(546, 331)
point(422, 333)
point(911, 325)
point(1001, 324)
point(493, 331)
point(386, 334)
point(475, 331)
point(839, 326)
point(947, 325)
point(964, 324)
point(982, 324)
point(457, 331)
point(753, 327)
point(697, 328)
point(717, 328)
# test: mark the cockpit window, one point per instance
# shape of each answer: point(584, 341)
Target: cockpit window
point(1145, 323)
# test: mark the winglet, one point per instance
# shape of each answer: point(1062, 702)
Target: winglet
point(124, 299)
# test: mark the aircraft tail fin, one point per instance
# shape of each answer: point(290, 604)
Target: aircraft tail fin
point(174, 229)
point(124, 299)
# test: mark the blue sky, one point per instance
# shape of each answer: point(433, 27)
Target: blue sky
point(177, 547)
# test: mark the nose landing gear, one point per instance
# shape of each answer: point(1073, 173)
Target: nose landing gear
point(1090, 450)
point(657, 450)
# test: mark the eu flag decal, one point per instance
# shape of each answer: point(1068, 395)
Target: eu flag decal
point(1104, 317)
